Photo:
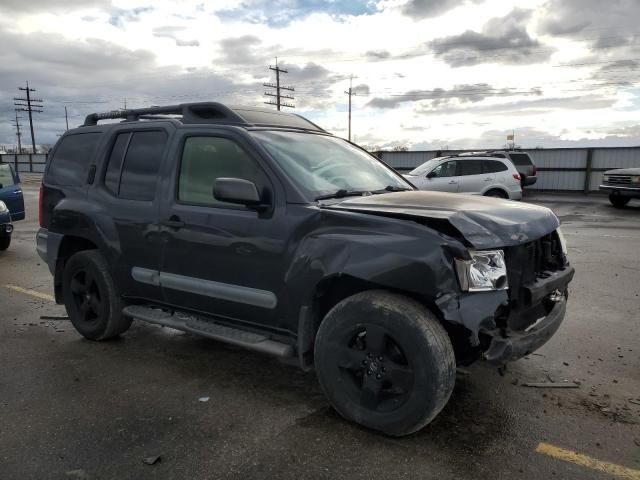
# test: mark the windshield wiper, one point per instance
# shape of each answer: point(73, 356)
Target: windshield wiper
point(392, 188)
point(343, 192)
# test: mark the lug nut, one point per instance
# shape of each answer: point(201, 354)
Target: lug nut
point(379, 376)
point(369, 372)
point(365, 363)
point(370, 355)
point(380, 358)
point(383, 369)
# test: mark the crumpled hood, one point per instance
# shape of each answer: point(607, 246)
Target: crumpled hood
point(484, 222)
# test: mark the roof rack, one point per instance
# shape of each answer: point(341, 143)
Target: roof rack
point(190, 112)
point(207, 112)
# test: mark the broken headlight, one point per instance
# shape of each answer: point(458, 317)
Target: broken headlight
point(485, 271)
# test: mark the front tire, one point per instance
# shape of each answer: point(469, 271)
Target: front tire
point(384, 361)
point(92, 300)
point(618, 201)
point(4, 243)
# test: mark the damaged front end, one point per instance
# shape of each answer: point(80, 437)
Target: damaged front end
point(516, 315)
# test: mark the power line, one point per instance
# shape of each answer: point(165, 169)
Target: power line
point(278, 95)
point(31, 105)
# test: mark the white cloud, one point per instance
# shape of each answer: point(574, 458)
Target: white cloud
point(452, 70)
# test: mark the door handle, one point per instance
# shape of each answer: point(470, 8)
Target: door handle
point(452, 182)
point(173, 222)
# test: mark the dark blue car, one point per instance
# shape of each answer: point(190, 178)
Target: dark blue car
point(11, 203)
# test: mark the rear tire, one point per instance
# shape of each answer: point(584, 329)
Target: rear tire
point(385, 361)
point(618, 201)
point(4, 243)
point(495, 193)
point(92, 300)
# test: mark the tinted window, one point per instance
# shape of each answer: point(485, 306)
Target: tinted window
point(471, 167)
point(112, 175)
point(204, 159)
point(447, 169)
point(71, 159)
point(493, 166)
point(6, 176)
point(521, 159)
point(141, 165)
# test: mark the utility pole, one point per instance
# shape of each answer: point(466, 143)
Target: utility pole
point(18, 132)
point(351, 93)
point(31, 105)
point(66, 117)
point(279, 96)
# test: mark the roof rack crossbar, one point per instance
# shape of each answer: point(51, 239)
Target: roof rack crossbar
point(191, 112)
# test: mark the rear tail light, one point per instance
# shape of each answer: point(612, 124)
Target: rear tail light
point(535, 171)
point(516, 176)
point(40, 218)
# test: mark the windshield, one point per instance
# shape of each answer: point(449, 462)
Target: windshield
point(426, 166)
point(322, 165)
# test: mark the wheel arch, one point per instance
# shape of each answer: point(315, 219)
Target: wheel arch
point(329, 292)
point(69, 246)
point(494, 188)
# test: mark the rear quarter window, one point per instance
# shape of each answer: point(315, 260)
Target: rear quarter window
point(71, 158)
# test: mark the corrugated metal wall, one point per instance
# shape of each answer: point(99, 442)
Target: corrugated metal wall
point(558, 168)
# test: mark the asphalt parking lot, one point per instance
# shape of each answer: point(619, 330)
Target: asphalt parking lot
point(70, 408)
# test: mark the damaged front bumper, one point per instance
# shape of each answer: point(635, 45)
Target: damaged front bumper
point(519, 344)
point(502, 334)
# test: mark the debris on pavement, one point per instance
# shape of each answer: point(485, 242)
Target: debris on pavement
point(550, 385)
point(635, 402)
point(203, 399)
point(54, 317)
point(152, 460)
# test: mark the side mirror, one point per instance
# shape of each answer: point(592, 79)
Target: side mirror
point(236, 190)
point(431, 174)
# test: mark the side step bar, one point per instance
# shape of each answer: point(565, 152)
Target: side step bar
point(209, 329)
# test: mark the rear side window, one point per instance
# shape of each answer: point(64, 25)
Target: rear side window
point(71, 159)
point(470, 167)
point(521, 159)
point(492, 166)
point(134, 162)
point(6, 176)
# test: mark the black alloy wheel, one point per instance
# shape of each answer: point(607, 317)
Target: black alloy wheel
point(380, 375)
point(384, 361)
point(91, 297)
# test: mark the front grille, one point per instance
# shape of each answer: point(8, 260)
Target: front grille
point(619, 180)
point(530, 261)
point(525, 264)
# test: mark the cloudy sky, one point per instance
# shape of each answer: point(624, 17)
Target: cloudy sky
point(427, 73)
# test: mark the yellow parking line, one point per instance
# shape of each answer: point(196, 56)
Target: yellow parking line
point(588, 462)
point(33, 293)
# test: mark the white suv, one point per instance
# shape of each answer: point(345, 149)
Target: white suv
point(476, 175)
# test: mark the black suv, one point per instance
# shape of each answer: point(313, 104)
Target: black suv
point(260, 229)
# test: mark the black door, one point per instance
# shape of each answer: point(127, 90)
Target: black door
point(127, 194)
point(222, 259)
